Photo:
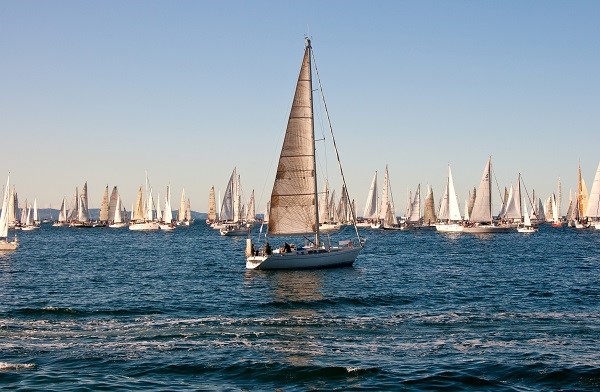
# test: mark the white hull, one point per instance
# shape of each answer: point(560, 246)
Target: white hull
point(5, 245)
point(363, 224)
point(144, 226)
point(329, 227)
point(118, 225)
point(527, 229)
point(235, 231)
point(596, 225)
point(166, 227)
point(29, 228)
point(305, 259)
point(449, 228)
point(483, 229)
point(375, 225)
point(59, 224)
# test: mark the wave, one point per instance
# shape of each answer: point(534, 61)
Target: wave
point(6, 366)
point(73, 312)
point(277, 373)
point(360, 301)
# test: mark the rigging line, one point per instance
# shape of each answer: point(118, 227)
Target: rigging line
point(498, 187)
point(526, 192)
point(335, 145)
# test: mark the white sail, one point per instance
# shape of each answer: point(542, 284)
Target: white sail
point(593, 202)
point(386, 196)
point(84, 215)
point(168, 214)
point(453, 207)
point(415, 213)
point(4, 215)
point(62, 214)
point(226, 208)
point(251, 214)
point(371, 206)
point(443, 213)
point(466, 217)
point(513, 206)
point(117, 218)
point(526, 219)
point(35, 211)
point(104, 207)
point(482, 208)
point(238, 209)
point(555, 217)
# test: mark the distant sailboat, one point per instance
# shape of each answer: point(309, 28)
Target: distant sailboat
point(167, 217)
point(143, 218)
point(481, 219)
point(449, 219)
point(370, 214)
point(593, 206)
point(294, 201)
point(429, 216)
point(526, 227)
point(5, 244)
point(62, 214)
point(387, 210)
point(212, 207)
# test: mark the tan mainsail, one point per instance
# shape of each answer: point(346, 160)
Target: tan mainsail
point(482, 208)
point(212, 206)
point(294, 197)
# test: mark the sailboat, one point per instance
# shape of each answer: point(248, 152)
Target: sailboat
point(62, 214)
point(212, 207)
point(104, 208)
point(370, 213)
point(28, 223)
point(143, 215)
point(294, 199)
point(449, 219)
point(481, 219)
point(593, 203)
point(183, 217)
point(5, 244)
point(387, 210)
point(429, 216)
point(527, 227)
point(167, 217)
point(512, 214)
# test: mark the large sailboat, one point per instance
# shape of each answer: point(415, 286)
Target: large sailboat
point(481, 219)
point(5, 244)
point(294, 199)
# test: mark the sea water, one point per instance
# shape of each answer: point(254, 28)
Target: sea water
point(109, 309)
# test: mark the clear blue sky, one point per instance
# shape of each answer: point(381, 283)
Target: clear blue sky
point(104, 90)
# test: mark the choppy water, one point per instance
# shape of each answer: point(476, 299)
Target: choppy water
point(103, 309)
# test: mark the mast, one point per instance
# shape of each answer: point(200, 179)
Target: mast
point(312, 127)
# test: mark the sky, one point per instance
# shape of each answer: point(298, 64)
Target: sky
point(105, 91)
